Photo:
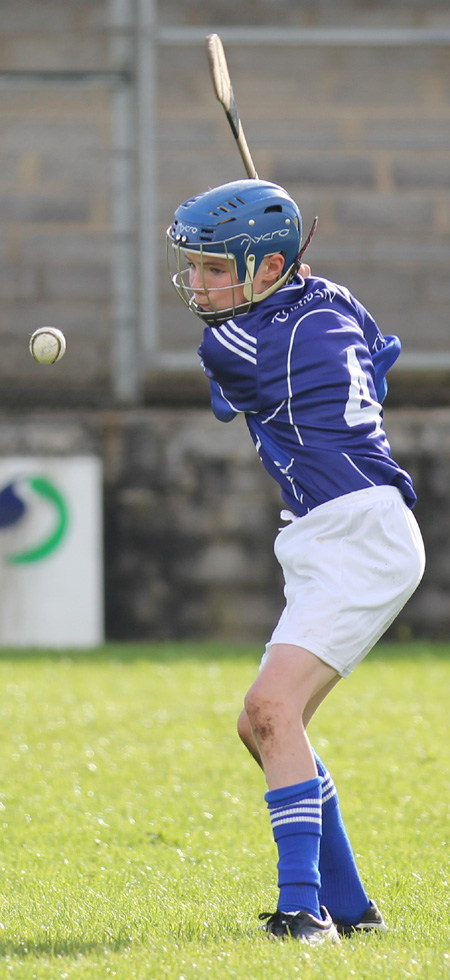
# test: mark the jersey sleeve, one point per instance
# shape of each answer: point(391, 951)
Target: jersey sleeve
point(229, 359)
point(383, 359)
point(384, 352)
point(221, 406)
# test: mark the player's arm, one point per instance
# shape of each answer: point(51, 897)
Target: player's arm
point(383, 359)
point(229, 358)
point(384, 351)
point(222, 407)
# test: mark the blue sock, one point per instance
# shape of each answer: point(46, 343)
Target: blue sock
point(341, 889)
point(295, 813)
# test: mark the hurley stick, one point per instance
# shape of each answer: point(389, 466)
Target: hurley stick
point(224, 91)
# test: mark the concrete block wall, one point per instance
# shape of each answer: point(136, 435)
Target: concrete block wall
point(359, 135)
point(191, 515)
point(52, 36)
point(294, 13)
point(55, 197)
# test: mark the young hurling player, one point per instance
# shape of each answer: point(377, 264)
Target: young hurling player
point(305, 363)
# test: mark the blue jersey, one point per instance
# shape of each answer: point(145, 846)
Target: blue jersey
point(306, 367)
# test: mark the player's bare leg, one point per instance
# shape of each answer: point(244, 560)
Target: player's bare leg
point(245, 729)
point(341, 889)
point(291, 679)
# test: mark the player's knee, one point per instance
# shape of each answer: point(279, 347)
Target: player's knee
point(245, 731)
point(247, 737)
point(261, 714)
point(244, 727)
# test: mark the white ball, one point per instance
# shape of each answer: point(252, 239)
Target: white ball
point(47, 345)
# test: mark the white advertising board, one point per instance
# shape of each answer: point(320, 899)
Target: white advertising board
point(51, 552)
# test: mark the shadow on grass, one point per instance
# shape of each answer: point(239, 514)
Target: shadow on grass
point(158, 652)
point(205, 651)
point(72, 947)
point(411, 650)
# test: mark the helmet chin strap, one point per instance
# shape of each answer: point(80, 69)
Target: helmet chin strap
point(249, 292)
point(250, 261)
point(308, 240)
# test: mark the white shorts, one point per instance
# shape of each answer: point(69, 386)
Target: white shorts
point(350, 565)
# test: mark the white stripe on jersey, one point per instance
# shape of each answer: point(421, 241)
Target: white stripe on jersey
point(288, 378)
point(242, 332)
point(294, 331)
point(285, 471)
point(232, 347)
point(264, 421)
point(355, 467)
point(237, 340)
point(227, 400)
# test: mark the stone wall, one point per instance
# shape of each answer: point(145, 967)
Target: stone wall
point(359, 135)
point(190, 517)
point(55, 196)
point(357, 132)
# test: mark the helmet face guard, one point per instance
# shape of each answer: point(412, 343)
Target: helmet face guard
point(180, 274)
point(242, 223)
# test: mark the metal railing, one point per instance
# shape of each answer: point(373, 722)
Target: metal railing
point(135, 37)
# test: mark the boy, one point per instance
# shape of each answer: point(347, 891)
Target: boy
point(306, 364)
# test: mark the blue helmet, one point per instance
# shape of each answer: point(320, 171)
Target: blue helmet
point(244, 221)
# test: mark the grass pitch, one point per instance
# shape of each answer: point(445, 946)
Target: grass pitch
point(135, 839)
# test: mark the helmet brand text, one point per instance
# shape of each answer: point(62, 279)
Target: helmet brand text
point(269, 236)
point(184, 229)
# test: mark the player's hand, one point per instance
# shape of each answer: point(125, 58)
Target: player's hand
point(304, 270)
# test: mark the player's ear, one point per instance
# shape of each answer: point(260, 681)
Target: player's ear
point(274, 267)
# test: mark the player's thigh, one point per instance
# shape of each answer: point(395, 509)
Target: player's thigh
point(317, 699)
point(290, 679)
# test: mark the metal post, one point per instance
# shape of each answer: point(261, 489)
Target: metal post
point(136, 344)
point(125, 359)
point(147, 176)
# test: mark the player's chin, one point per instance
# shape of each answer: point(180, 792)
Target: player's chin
point(202, 304)
point(208, 309)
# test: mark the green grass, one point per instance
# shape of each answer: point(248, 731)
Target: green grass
point(135, 839)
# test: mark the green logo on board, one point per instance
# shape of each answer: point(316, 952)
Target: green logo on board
point(16, 501)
